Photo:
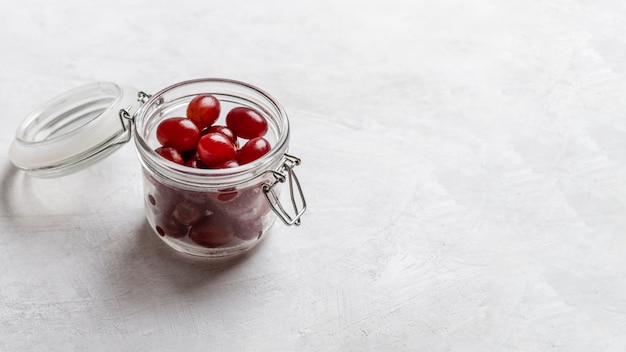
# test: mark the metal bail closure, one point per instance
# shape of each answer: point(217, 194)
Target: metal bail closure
point(285, 172)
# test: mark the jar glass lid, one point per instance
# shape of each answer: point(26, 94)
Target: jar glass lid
point(74, 129)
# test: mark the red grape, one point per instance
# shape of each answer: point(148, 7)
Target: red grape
point(223, 130)
point(203, 110)
point(215, 148)
point(188, 213)
point(246, 123)
point(170, 154)
point(178, 132)
point(249, 230)
point(168, 225)
point(252, 150)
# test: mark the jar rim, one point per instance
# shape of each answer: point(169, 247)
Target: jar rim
point(208, 177)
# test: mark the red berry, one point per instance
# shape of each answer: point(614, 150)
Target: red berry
point(246, 123)
point(215, 148)
point(170, 154)
point(247, 204)
point(195, 163)
point(192, 160)
point(166, 225)
point(188, 213)
point(203, 110)
point(202, 199)
point(164, 198)
point(211, 232)
point(223, 130)
point(179, 133)
point(252, 150)
point(249, 230)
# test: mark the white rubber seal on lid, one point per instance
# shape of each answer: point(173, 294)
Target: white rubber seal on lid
point(74, 129)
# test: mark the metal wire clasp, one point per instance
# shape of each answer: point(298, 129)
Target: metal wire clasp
point(285, 172)
point(126, 119)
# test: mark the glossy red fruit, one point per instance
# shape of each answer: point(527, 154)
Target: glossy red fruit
point(202, 199)
point(195, 163)
point(170, 154)
point(188, 213)
point(166, 225)
point(215, 149)
point(203, 110)
point(252, 150)
point(163, 198)
point(178, 132)
point(247, 204)
point(192, 160)
point(246, 123)
point(212, 231)
point(249, 230)
point(161, 204)
point(223, 130)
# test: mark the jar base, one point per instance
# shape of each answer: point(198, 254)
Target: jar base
point(212, 253)
point(234, 248)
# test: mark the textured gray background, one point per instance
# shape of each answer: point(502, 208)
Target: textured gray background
point(464, 162)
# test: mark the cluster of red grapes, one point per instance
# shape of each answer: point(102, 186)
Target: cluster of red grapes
point(196, 141)
point(210, 218)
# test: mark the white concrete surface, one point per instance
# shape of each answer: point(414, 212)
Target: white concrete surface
point(464, 163)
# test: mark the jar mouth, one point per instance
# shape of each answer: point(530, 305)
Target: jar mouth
point(161, 104)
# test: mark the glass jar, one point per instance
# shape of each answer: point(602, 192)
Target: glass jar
point(203, 212)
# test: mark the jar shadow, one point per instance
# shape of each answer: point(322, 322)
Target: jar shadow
point(142, 265)
point(12, 185)
point(24, 197)
point(156, 264)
